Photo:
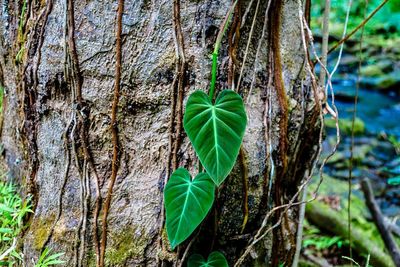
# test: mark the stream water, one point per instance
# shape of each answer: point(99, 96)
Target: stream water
point(374, 156)
point(379, 111)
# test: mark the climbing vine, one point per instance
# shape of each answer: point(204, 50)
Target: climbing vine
point(216, 130)
point(114, 128)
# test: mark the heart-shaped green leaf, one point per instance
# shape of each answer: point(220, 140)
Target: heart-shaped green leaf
point(216, 131)
point(215, 259)
point(187, 203)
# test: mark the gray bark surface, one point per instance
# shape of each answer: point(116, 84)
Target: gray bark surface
point(38, 136)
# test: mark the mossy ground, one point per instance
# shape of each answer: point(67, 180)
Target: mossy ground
point(333, 201)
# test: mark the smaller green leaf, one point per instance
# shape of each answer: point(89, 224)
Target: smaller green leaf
point(48, 259)
point(215, 259)
point(187, 203)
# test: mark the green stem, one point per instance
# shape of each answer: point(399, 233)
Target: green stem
point(216, 49)
point(213, 74)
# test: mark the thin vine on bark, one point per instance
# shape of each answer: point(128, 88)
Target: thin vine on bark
point(114, 129)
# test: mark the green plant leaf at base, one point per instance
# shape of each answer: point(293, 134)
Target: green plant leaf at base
point(215, 259)
point(47, 259)
point(187, 203)
point(216, 130)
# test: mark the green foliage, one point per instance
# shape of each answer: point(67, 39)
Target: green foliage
point(383, 30)
point(345, 126)
point(395, 142)
point(383, 22)
point(215, 259)
point(47, 259)
point(12, 211)
point(22, 17)
point(216, 131)
point(371, 71)
point(314, 238)
point(365, 235)
point(323, 242)
point(187, 203)
point(21, 38)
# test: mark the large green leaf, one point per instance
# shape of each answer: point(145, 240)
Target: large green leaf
point(216, 131)
point(187, 203)
point(215, 259)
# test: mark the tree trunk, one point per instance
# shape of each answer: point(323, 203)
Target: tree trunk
point(57, 67)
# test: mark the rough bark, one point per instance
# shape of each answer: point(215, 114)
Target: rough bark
point(57, 68)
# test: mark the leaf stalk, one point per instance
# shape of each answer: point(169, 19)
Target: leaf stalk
point(222, 30)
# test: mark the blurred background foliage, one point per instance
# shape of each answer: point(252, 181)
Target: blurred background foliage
point(384, 24)
point(375, 70)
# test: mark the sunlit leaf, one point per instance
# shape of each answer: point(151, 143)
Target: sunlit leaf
point(216, 130)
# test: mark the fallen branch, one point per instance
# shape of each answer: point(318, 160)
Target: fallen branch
point(329, 220)
point(380, 223)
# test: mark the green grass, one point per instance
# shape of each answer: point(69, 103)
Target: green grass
point(47, 259)
point(13, 209)
point(314, 238)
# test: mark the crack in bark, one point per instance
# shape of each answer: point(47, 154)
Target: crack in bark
point(80, 118)
point(279, 253)
point(27, 70)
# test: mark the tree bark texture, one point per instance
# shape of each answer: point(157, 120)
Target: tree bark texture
point(57, 67)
